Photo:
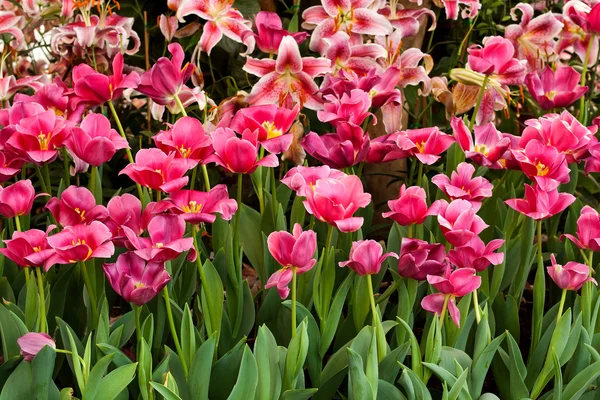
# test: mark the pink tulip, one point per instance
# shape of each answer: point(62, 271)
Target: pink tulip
point(571, 276)
point(335, 201)
point(270, 32)
point(76, 205)
point(197, 207)
point(476, 254)
point(157, 171)
point(419, 259)
point(136, 280)
point(301, 178)
point(188, 140)
point(165, 241)
point(487, 148)
point(291, 251)
point(57, 97)
point(273, 124)
point(80, 243)
point(10, 165)
point(496, 58)
point(544, 164)
point(462, 185)
point(458, 221)
point(29, 248)
point(593, 19)
point(96, 88)
point(555, 89)
point(353, 108)
point(163, 82)
point(592, 163)
point(425, 144)
point(366, 257)
point(17, 199)
point(32, 343)
point(94, 141)
point(410, 207)
point(345, 148)
point(539, 204)
point(385, 149)
point(588, 230)
point(239, 155)
point(126, 210)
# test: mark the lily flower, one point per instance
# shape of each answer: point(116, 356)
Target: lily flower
point(270, 32)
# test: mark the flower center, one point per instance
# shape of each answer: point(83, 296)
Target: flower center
point(542, 169)
point(138, 285)
point(158, 245)
point(44, 140)
point(421, 146)
point(481, 148)
point(272, 131)
point(37, 249)
point(551, 94)
point(185, 153)
point(193, 207)
point(80, 212)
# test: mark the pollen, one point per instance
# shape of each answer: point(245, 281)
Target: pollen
point(481, 148)
point(542, 169)
point(421, 146)
point(272, 131)
point(80, 212)
point(185, 152)
point(193, 207)
point(44, 140)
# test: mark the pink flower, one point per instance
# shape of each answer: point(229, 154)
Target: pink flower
point(168, 26)
point(157, 171)
point(366, 257)
point(10, 165)
point(136, 280)
point(539, 204)
point(188, 140)
point(476, 254)
point(458, 221)
point(32, 343)
point(594, 19)
point(406, 20)
point(126, 210)
point(425, 144)
point(495, 58)
point(80, 243)
point(76, 206)
point(96, 88)
point(57, 97)
point(165, 241)
point(197, 207)
point(356, 57)
point(271, 32)
point(487, 148)
point(577, 32)
point(29, 248)
point(94, 141)
point(543, 163)
point(454, 284)
point(301, 178)
point(588, 230)
point(592, 163)
point(238, 155)
point(345, 148)
point(410, 207)
point(165, 80)
point(273, 124)
point(353, 108)
point(335, 201)
point(291, 251)
point(462, 185)
point(419, 259)
point(8, 24)
point(452, 7)
point(555, 89)
point(571, 276)
point(385, 149)
point(290, 77)
point(9, 85)
point(17, 199)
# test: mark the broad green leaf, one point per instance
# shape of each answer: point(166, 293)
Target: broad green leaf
point(558, 381)
point(296, 356)
point(245, 387)
point(298, 394)
point(414, 348)
point(11, 328)
point(19, 384)
point(359, 387)
point(200, 369)
point(212, 298)
point(116, 381)
point(42, 368)
point(481, 365)
point(93, 382)
point(332, 322)
point(165, 392)
point(582, 382)
point(188, 336)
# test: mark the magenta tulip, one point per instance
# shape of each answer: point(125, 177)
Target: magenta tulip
point(270, 32)
point(555, 89)
point(544, 164)
point(126, 210)
point(76, 205)
point(410, 207)
point(345, 148)
point(588, 230)
point(418, 259)
point(462, 185)
point(539, 204)
point(32, 343)
point(425, 144)
point(366, 257)
point(487, 148)
point(302, 178)
point(496, 57)
point(188, 140)
point(593, 19)
point(571, 276)
point(157, 171)
point(17, 199)
point(476, 254)
point(353, 108)
point(200, 207)
point(458, 221)
point(80, 243)
point(384, 149)
point(29, 248)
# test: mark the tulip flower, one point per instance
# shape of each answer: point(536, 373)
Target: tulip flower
point(410, 207)
point(76, 206)
point(301, 178)
point(157, 171)
point(425, 144)
point(353, 108)
point(17, 199)
point(345, 148)
point(540, 204)
point(273, 124)
point(593, 19)
point(462, 185)
point(32, 343)
point(496, 58)
point(588, 230)
point(366, 257)
point(80, 243)
point(487, 148)
point(592, 163)
point(197, 207)
point(458, 221)
point(94, 141)
point(95, 88)
point(289, 76)
point(165, 80)
point(385, 149)
point(295, 253)
point(136, 280)
point(188, 140)
point(571, 276)
point(555, 89)
point(336, 200)
point(454, 284)
point(238, 155)
point(57, 97)
point(10, 165)
point(29, 248)
point(165, 241)
point(270, 32)
point(476, 254)
point(543, 163)
point(418, 259)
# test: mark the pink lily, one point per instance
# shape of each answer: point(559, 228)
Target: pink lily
point(288, 77)
point(9, 24)
point(352, 108)
point(470, 8)
point(168, 26)
point(418, 259)
point(80, 243)
point(32, 343)
point(576, 32)
point(187, 139)
point(406, 20)
point(425, 144)
point(366, 257)
point(539, 204)
point(345, 148)
point(9, 85)
point(476, 254)
point(588, 230)
point(201, 207)
point(76, 206)
point(462, 185)
point(29, 248)
point(358, 58)
point(458, 221)
point(301, 178)
point(487, 148)
point(17, 199)
point(270, 32)
point(555, 89)
point(156, 170)
point(543, 163)
point(571, 276)
point(410, 207)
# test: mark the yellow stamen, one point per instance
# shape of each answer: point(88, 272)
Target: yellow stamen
point(272, 131)
point(542, 169)
point(193, 207)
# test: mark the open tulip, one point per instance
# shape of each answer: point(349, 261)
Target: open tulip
point(301, 178)
point(425, 144)
point(353, 108)
point(29, 248)
point(410, 207)
point(555, 89)
point(571, 276)
point(476, 254)
point(157, 171)
point(385, 149)
point(462, 185)
point(187, 139)
point(270, 32)
point(419, 258)
point(76, 205)
point(197, 207)
point(32, 343)
point(366, 257)
point(345, 148)
point(458, 221)
point(17, 199)
point(487, 148)
point(543, 163)
point(80, 243)
point(496, 58)
point(540, 204)
point(588, 230)
point(136, 280)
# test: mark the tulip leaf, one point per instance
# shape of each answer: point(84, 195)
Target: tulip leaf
point(212, 299)
point(517, 370)
point(165, 392)
point(200, 369)
point(332, 321)
point(481, 365)
point(42, 368)
point(93, 382)
point(11, 328)
point(31, 304)
point(245, 387)
point(313, 360)
point(188, 336)
point(267, 360)
point(558, 381)
point(116, 381)
point(413, 384)
point(76, 362)
point(582, 382)
point(415, 351)
point(119, 358)
point(298, 394)
point(359, 387)
point(144, 368)
point(296, 356)
point(18, 386)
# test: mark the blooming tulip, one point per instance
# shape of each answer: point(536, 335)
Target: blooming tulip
point(270, 32)
point(353, 108)
point(555, 89)
point(425, 144)
point(157, 171)
point(32, 343)
point(366, 257)
point(476, 254)
point(588, 230)
point(410, 207)
point(301, 178)
point(458, 221)
point(136, 280)
point(238, 155)
point(571, 276)
point(418, 259)
point(496, 58)
point(80, 243)
point(540, 204)
point(76, 206)
point(593, 19)
point(196, 207)
point(345, 148)
point(29, 248)
point(17, 199)
point(188, 140)
point(384, 149)
point(487, 148)
point(462, 185)
point(544, 164)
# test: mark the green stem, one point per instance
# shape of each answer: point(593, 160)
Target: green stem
point(326, 250)
point(372, 299)
point(138, 330)
point(236, 225)
point(173, 330)
point(260, 194)
point(582, 113)
point(293, 302)
point(47, 175)
point(444, 309)
point(420, 175)
point(17, 223)
point(478, 104)
point(91, 292)
point(40, 282)
point(206, 180)
point(476, 307)
point(273, 193)
point(409, 233)
point(180, 105)
point(561, 305)
point(41, 178)
point(93, 181)
point(66, 174)
point(193, 180)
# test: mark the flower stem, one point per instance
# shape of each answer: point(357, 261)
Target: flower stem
point(582, 114)
point(41, 178)
point(409, 232)
point(173, 330)
point(138, 330)
point(66, 175)
point(236, 225)
point(420, 175)
point(91, 292)
point(478, 104)
point(180, 105)
point(40, 282)
point(273, 193)
point(193, 180)
point(325, 307)
point(206, 180)
point(561, 305)
point(47, 175)
point(260, 195)
point(17, 223)
point(293, 302)
point(476, 307)
point(444, 309)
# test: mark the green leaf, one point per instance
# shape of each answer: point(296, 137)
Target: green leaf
point(200, 369)
point(11, 328)
point(245, 387)
point(93, 382)
point(415, 350)
point(116, 381)
point(298, 214)
point(212, 298)
point(558, 381)
point(333, 318)
point(31, 304)
point(313, 360)
point(144, 368)
point(359, 387)
point(481, 365)
point(267, 360)
point(19, 384)
point(251, 242)
point(298, 394)
point(42, 368)
point(413, 384)
point(517, 370)
point(460, 387)
point(582, 382)
point(188, 336)
point(165, 392)
point(296, 356)
point(119, 358)
point(75, 360)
